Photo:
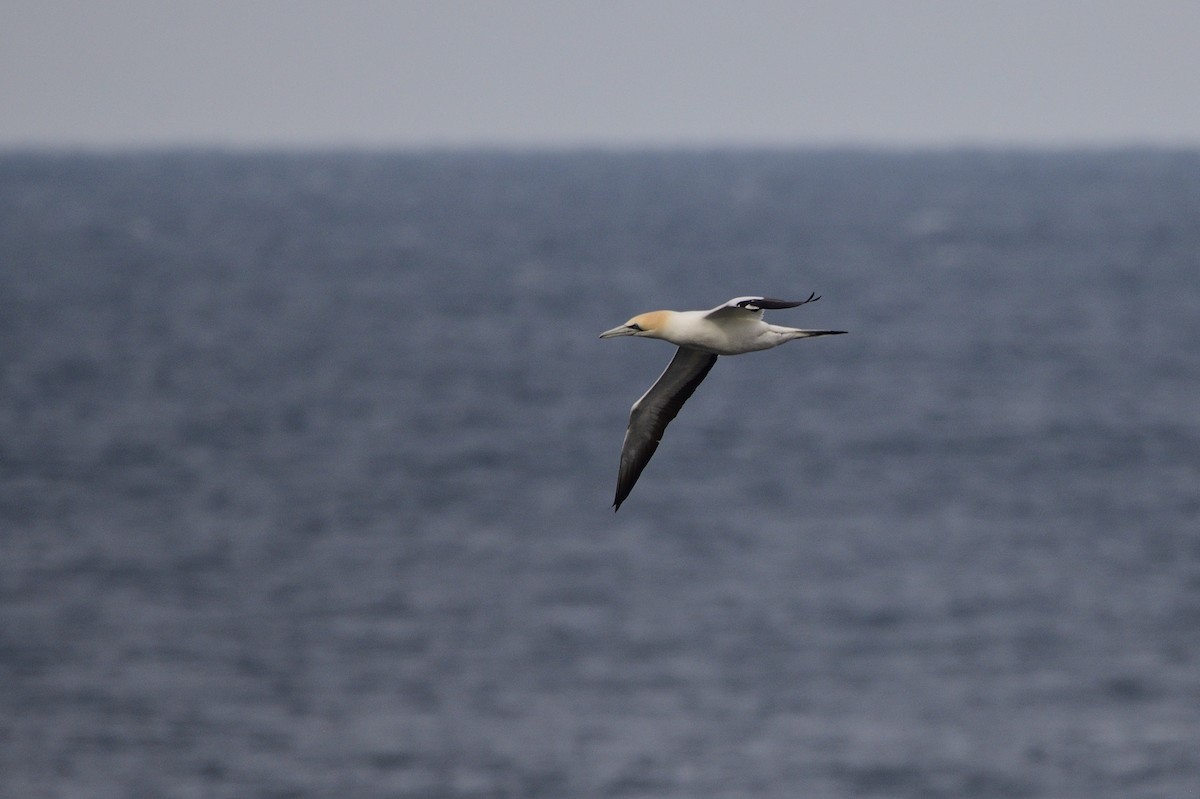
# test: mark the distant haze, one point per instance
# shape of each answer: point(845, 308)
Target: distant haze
point(532, 73)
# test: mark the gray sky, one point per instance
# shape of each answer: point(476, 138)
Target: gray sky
point(631, 72)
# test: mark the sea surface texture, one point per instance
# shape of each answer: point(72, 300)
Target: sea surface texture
point(307, 461)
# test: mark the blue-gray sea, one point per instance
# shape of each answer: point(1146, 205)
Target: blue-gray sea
point(306, 466)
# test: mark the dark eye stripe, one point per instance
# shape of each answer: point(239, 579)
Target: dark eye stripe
point(639, 328)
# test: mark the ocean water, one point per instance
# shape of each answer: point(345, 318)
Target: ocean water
point(306, 464)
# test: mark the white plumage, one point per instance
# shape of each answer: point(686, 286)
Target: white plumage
point(730, 329)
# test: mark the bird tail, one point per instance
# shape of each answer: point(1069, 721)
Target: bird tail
point(795, 333)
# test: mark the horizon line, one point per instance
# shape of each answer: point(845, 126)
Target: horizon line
point(616, 146)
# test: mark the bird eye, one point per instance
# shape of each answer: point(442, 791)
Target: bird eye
point(635, 326)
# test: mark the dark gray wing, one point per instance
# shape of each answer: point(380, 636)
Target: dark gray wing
point(756, 305)
point(651, 414)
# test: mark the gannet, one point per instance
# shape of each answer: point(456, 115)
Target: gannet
point(730, 329)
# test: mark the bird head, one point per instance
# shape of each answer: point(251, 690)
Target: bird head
point(647, 324)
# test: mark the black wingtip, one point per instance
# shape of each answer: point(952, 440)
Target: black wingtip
point(772, 304)
point(622, 494)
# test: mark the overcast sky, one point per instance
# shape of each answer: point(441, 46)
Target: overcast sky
point(530, 73)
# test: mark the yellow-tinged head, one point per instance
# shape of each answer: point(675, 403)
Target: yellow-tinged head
point(647, 324)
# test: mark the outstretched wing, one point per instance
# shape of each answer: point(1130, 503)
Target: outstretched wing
point(651, 414)
point(754, 306)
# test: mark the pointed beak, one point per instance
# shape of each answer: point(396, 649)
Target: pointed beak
point(623, 330)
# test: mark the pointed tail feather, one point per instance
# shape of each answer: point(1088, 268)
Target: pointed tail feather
point(812, 333)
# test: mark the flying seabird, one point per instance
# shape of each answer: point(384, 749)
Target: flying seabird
point(729, 329)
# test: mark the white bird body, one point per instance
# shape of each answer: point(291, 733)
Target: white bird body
point(731, 329)
point(728, 335)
